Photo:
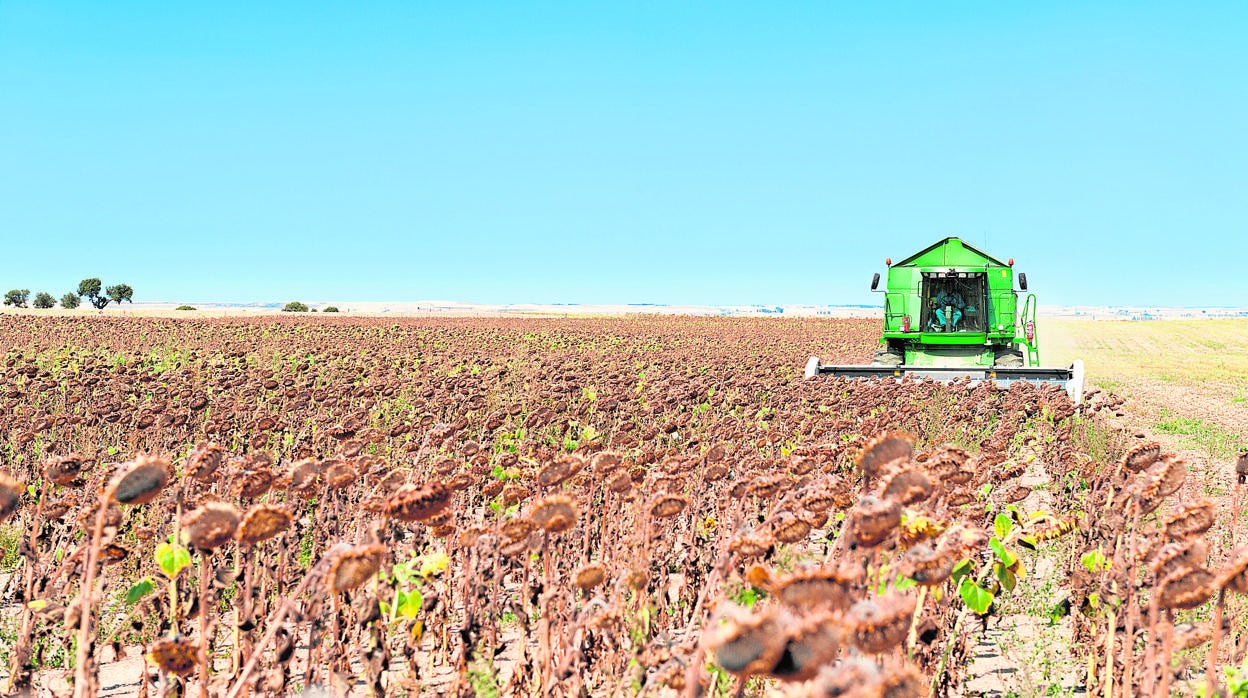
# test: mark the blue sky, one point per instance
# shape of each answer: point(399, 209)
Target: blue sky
point(699, 152)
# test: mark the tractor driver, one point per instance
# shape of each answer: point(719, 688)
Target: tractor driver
point(952, 300)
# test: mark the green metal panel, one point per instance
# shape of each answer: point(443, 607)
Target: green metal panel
point(903, 295)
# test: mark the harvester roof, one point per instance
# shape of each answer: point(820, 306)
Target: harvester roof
point(950, 252)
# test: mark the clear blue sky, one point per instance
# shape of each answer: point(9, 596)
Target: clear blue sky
point(671, 152)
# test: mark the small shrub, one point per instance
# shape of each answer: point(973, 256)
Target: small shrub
point(330, 309)
point(295, 307)
point(69, 301)
point(185, 307)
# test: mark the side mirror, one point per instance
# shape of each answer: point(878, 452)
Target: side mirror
point(875, 282)
point(1022, 281)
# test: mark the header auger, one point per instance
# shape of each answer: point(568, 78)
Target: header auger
point(950, 312)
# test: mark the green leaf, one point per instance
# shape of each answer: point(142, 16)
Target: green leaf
point(1005, 576)
point(976, 597)
point(141, 589)
point(1094, 561)
point(1006, 557)
point(172, 559)
point(1002, 525)
point(409, 603)
point(960, 570)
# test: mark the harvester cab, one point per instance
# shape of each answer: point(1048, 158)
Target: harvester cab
point(951, 311)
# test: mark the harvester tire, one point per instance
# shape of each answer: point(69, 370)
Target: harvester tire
point(1009, 358)
point(888, 357)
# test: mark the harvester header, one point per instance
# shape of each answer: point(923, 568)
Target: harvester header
point(951, 311)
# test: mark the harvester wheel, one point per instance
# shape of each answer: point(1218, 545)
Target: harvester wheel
point(888, 357)
point(1009, 358)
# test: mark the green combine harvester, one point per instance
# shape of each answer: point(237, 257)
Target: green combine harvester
point(950, 312)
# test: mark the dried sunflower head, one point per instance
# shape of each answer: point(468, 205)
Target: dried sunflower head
point(926, 566)
point(874, 519)
point(884, 449)
point(412, 503)
point(813, 642)
point(204, 461)
point(1185, 589)
point(1141, 457)
point(813, 589)
point(141, 480)
point(66, 471)
point(787, 527)
point(851, 678)
point(355, 566)
point(177, 656)
point(590, 576)
point(877, 625)
point(667, 505)
point(907, 486)
point(211, 525)
point(1234, 575)
point(261, 523)
point(559, 470)
point(10, 495)
point(556, 513)
point(744, 643)
point(1191, 520)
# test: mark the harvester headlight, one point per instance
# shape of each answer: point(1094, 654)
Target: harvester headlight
point(1000, 328)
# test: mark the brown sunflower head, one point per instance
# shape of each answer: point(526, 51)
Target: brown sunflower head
point(1191, 520)
point(555, 514)
point(667, 505)
point(204, 461)
point(418, 503)
point(304, 474)
point(851, 678)
point(141, 480)
point(877, 625)
point(354, 566)
point(1165, 476)
point(788, 527)
point(907, 486)
point(1179, 555)
point(1241, 467)
point(261, 523)
point(744, 643)
point(560, 470)
point(813, 641)
point(751, 545)
point(10, 495)
point(884, 449)
point(874, 519)
point(590, 576)
point(177, 656)
point(211, 525)
point(66, 471)
point(1234, 575)
point(1141, 457)
point(927, 566)
point(813, 590)
point(1185, 589)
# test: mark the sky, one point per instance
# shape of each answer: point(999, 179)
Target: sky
point(634, 152)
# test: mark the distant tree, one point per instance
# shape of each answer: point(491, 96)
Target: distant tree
point(69, 301)
point(330, 309)
point(185, 307)
point(295, 307)
point(91, 289)
point(17, 297)
point(119, 293)
point(44, 300)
